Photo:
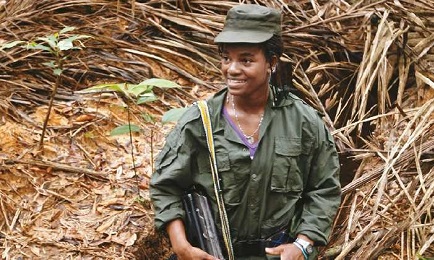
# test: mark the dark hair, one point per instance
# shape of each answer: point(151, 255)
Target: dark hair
point(281, 78)
point(273, 47)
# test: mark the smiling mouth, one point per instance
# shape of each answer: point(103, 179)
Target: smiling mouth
point(235, 81)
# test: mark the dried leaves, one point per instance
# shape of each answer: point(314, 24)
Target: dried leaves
point(84, 197)
point(367, 65)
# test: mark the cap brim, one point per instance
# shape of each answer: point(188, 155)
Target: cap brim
point(242, 36)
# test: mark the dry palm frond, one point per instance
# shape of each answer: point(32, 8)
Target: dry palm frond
point(398, 199)
point(366, 65)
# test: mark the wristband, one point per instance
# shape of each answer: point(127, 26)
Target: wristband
point(302, 249)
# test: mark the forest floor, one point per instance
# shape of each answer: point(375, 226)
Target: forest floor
point(65, 210)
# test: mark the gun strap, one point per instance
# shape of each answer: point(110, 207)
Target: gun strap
point(203, 107)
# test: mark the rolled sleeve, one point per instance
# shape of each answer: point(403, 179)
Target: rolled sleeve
point(172, 176)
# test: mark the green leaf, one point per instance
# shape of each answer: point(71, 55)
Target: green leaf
point(173, 115)
point(146, 98)
point(110, 86)
point(125, 129)
point(10, 45)
point(50, 64)
point(78, 37)
point(120, 87)
point(66, 44)
point(160, 83)
point(35, 46)
point(67, 29)
point(136, 90)
point(57, 71)
point(51, 40)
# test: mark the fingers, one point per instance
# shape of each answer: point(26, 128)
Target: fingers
point(286, 252)
point(195, 253)
point(274, 250)
point(200, 254)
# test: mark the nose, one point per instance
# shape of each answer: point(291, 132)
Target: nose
point(233, 68)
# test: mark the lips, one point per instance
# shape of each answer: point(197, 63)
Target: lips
point(235, 82)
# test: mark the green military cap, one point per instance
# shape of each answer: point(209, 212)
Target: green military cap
point(250, 23)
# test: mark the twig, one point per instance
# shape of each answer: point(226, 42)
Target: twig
point(59, 166)
point(50, 105)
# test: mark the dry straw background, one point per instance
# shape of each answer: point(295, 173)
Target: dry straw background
point(367, 65)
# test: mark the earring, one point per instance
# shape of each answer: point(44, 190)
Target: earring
point(274, 69)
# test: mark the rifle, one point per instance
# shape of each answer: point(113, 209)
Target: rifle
point(200, 225)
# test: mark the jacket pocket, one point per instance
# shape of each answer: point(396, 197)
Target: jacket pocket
point(286, 175)
point(229, 183)
point(222, 160)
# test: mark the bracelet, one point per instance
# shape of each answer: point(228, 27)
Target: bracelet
point(302, 249)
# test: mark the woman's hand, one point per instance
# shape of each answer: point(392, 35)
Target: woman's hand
point(286, 252)
point(182, 248)
point(193, 253)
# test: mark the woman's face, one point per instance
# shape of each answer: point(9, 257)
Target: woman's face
point(245, 69)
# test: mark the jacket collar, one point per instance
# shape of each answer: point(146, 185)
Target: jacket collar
point(219, 122)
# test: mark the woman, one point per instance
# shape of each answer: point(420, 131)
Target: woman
point(277, 160)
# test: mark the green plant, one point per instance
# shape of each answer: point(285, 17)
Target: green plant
point(57, 45)
point(173, 114)
point(140, 93)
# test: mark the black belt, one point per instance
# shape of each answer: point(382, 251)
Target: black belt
point(245, 248)
point(250, 248)
point(255, 247)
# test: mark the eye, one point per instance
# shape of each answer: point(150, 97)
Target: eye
point(224, 59)
point(247, 61)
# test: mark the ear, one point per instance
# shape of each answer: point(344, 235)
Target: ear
point(273, 63)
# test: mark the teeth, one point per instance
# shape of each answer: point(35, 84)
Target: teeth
point(236, 81)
